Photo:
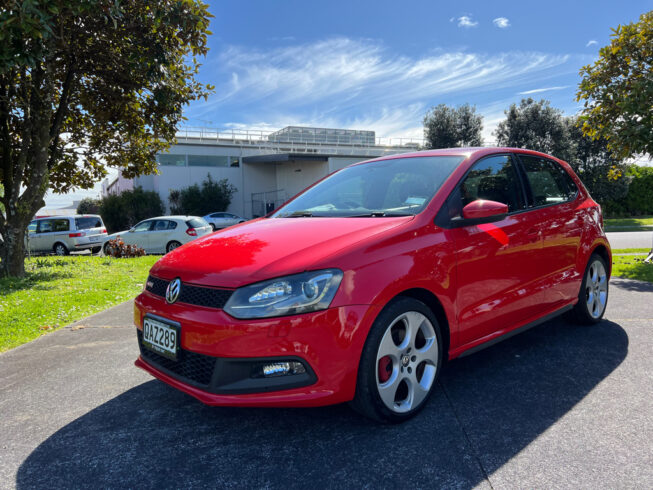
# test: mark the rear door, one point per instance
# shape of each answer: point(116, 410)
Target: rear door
point(497, 282)
point(161, 233)
point(553, 203)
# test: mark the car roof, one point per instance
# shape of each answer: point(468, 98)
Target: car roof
point(69, 216)
point(180, 217)
point(467, 152)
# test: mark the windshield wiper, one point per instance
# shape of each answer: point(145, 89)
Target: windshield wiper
point(379, 214)
point(299, 214)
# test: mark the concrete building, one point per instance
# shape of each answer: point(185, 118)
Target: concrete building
point(266, 168)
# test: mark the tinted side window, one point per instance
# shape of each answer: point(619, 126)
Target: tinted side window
point(172, 225)
point(494, 179)
point(61, 225)
point(45, 226)
point(549, 182)
point(88, 222)
point(196, 223)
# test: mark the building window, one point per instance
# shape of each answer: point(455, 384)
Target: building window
point(171, 160)
point(212, 161)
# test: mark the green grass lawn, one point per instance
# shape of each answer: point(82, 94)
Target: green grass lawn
point(641, 223)
point(632, 266)
point(57, 291)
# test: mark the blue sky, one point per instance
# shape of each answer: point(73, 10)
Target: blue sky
point(380, 65)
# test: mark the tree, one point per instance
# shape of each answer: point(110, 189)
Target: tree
point(604, 175)
point(536, 126)
point(88, 205)
point(122, 211)
point(86, 84)
point(617, 91)
point(200, 201)
point(449, 127)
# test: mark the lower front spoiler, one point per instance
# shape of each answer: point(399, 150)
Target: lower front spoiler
point(309, 396)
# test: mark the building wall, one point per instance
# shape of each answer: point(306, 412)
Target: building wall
point(336, 163)
point(294, 177)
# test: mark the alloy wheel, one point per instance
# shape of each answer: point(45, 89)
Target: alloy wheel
point(596, 289)
point(406, 361)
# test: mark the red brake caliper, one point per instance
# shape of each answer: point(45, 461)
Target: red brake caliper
point(385, 369)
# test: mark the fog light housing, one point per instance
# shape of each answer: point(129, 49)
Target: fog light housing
point(276, 369)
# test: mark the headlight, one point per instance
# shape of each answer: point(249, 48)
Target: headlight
point(290, 295)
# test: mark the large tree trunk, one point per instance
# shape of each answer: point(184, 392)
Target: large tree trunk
point(12, 251)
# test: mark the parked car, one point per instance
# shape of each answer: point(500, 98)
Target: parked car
point(360, 287)
point(62, 234)
point(218, 221)
point(163, 233)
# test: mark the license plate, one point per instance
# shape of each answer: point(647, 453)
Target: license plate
point(94, 239)
point(161, 338)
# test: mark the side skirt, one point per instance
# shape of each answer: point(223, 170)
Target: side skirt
point(516, 331)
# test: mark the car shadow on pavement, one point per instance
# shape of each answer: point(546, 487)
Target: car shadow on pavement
point(630, 285)
point(486, 408)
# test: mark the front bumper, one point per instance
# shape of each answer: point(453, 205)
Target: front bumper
point(329, 343)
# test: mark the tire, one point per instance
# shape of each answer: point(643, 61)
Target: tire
point(394, 387)
point(172, 245)
point(593, 294)
point(95, 250)
point(106, 250)
point(60, 249)
point(212, 226)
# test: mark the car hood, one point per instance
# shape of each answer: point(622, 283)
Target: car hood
point(267, 248)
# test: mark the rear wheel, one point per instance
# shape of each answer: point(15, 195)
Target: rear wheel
point(593, 295)
point(60, 249)
point(96, 250)
point(212, 226)
point(400, 363)
point(172, 245)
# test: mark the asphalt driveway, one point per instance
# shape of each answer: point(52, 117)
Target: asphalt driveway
point(560, 406)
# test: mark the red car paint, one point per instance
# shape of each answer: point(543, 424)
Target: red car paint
point(483, 281)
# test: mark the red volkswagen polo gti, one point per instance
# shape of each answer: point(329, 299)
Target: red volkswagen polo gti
point(358, 288)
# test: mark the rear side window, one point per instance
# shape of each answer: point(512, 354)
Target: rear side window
point(88, 222)
point(61, 225)
point(494, 179)
point(31, 228)
point(550, 183)
point(164, 225)
point(196, 223)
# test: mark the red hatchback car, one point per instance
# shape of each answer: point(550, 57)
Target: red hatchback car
point(361, 286)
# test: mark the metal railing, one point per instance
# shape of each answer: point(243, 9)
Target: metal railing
point(340, 144)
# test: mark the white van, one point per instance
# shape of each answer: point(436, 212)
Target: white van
point(62, 234)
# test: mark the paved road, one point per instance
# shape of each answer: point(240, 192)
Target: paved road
point(560, 406)
point(631, 239)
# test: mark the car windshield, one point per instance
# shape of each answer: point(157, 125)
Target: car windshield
point(395, 187)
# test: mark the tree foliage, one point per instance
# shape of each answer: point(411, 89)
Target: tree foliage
point(86, 84)
point(122, 211)
point(639, 199)
point(88, 205)
point(196, 200)
point(536, 126)
point(617, 90)
point(449, 127)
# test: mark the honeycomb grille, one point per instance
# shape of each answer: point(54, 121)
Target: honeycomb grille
point(194, 367)
point(192, 295)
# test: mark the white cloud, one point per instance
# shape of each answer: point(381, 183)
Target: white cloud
point(591, 42)
point(501, 22)
point(358, 84)
point(466, 21)
point(545, 89)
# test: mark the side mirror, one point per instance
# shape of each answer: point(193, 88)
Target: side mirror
point(484, 209)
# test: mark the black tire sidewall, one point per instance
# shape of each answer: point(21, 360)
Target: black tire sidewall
point(56, 246)
point(168, 249)
point(367, 400)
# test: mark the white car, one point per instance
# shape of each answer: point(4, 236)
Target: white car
point(222, 220)
point(163, 233)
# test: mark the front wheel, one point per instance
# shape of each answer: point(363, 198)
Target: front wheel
point(400, 363)
point(172, 245)
point(593, 295)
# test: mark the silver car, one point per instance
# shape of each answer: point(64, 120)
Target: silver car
point(222, 220)
point(64, 234)
point(162, 234)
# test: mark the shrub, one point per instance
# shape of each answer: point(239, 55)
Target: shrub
point(201, 200)
point(88, 205)
point(118, 249)
point(122, 211)
point(639, 199)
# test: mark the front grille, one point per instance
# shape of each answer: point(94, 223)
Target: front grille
point(197, 368)
point(192, 295)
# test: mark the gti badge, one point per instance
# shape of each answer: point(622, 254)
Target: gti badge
point(173, 290)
